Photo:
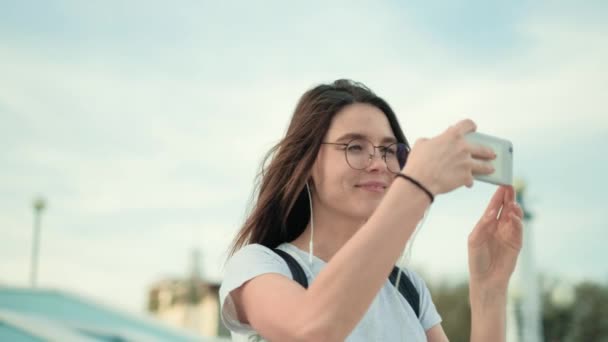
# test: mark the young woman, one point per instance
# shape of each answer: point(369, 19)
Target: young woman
point(339, 196)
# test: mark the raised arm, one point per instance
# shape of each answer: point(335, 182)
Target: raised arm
point(494, 245)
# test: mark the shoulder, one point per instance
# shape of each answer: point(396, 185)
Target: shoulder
point(429, 316)
point(416, 279)
point(247, 263)
point(255, 251)
point(254, 258)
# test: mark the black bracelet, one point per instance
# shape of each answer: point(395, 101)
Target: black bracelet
point(416, 183)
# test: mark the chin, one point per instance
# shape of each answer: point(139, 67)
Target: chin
point(365, 210)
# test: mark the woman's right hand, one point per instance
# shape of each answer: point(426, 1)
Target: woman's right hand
point(447, 161)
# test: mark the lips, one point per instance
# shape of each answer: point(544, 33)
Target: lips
point(373, 186)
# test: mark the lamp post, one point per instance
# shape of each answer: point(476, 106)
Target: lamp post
point(39, 205)
point(530, 323)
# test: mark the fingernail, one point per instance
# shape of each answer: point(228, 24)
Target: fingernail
point(492, 213)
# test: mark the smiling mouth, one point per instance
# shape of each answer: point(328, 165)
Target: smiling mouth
point(372, 188)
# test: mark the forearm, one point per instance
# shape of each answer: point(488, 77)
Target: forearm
point(488, 313)
point(346, 287)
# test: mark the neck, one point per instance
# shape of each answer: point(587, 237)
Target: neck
point(332, 230)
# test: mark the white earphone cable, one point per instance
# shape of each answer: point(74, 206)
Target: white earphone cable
point(312, 228)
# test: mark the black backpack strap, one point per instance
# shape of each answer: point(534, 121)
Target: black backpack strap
point(297, 272)
point(407, 289)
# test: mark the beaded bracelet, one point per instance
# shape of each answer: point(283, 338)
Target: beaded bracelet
point(416, 183)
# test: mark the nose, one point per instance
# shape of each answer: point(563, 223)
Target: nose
point(376, 162)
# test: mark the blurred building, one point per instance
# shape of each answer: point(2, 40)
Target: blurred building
point(190, 303)
point(38, 315)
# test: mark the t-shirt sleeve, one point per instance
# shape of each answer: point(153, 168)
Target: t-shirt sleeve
point(429, 317)
point(247, 263)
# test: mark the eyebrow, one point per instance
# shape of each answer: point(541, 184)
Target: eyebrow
point(351, 136)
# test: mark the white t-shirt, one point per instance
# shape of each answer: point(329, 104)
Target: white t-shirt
point(389, 317)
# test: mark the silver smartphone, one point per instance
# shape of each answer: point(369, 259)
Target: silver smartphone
point(503, 164)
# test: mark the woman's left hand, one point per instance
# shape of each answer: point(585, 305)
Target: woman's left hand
point(495, 242)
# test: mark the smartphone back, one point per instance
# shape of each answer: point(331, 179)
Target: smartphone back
point(503, 164)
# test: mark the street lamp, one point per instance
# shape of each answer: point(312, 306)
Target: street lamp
point(528, 303)
point(39, 205)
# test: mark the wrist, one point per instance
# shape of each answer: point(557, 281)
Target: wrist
point(483, 297)
point(424, 178)
point(488, 312)
point(419, 185)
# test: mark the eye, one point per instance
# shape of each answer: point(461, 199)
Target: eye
point(355, 148)
point(388, 151)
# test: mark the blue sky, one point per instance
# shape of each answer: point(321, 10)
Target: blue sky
point(143, 124)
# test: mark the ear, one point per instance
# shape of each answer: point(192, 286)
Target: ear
point(310, 183)
point(308, 186)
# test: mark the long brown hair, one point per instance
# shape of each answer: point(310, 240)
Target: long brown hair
point(282, 211)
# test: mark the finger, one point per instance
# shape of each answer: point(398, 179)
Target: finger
point(519, 223)
point(511, 210)
point(509, 194)
point(506, 199)
point(518, 210)
point(513, 221)
point(481, 167)
point(515, 234)
point(476, 236)
point(469, 182)
point(481, 152)
point(515, 209)
point(465, 126)
point(495, 202)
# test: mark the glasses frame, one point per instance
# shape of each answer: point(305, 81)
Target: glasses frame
point(371, 157)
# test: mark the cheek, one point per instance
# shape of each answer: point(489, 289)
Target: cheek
point(334, 187)
point(334, 180)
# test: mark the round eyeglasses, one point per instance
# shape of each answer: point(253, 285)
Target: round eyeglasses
point(360, 152)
